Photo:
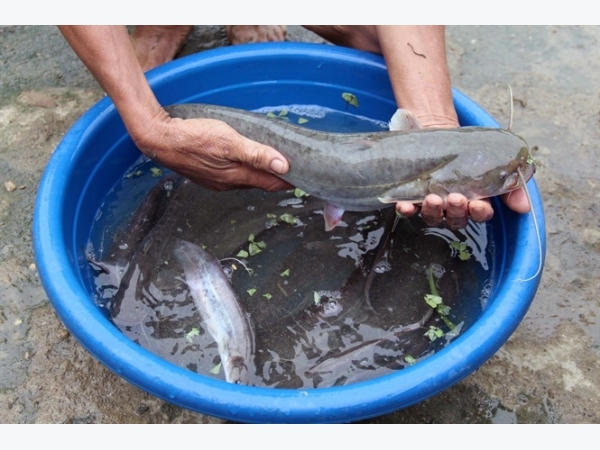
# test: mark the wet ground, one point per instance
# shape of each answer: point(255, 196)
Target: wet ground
point(547, 372)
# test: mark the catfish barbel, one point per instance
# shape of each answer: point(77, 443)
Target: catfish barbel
point(367, 171)
point(223, 315)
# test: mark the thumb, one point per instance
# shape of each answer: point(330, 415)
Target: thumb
point(264, 157)
point(517, 201)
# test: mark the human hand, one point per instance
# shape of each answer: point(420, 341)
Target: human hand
point(212, 154)
point(456, 208)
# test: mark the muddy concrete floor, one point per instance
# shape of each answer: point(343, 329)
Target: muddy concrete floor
point(547, 372)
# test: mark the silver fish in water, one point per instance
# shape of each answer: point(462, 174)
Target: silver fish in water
point(220, 309)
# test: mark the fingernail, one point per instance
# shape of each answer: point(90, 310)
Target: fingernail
point(277, 166)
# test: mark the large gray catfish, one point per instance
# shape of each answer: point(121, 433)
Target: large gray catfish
point(367, 171)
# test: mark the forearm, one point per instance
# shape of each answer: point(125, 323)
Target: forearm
point(416, 60)
point(108, 54)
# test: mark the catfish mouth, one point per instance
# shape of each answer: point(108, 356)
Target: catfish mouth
point(514, 181)
point(522, 173)
point(527, 171)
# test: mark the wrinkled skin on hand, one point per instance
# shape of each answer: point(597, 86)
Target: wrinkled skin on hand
point(212, 154)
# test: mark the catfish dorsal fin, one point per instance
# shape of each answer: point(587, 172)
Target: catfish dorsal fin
point(404, 120)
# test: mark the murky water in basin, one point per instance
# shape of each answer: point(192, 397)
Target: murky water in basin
point(327, 308)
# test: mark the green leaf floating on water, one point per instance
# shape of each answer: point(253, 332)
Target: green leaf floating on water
point(316, 298)
point(436, 302)
point(193, 332)
point(300, 193)
point(350, 99)
point(302, 120)
point(461, 248)
point(433, 300)
point(443, 310)
point(268, 296)
point(288, 218)
point(410, 359)
point(135, 174)
point(433, 333)
point(156, 171)
point(253, 249)
point(285, 273)
point(281, 115)
point(242, 254)
point(215, 370)
point(251, 292)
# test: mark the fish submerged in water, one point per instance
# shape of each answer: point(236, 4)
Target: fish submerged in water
point(220, 309)
point(368, 171)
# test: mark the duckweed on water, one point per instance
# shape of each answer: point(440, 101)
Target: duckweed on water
point(433, 333)
point(436, 302)
point(193, 332)
point(156, 172)
point(351, 99)
point(300, 193)
point(461, 248)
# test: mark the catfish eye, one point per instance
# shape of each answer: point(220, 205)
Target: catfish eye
point(503, 175)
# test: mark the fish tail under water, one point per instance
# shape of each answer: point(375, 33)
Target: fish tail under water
point(390, 225)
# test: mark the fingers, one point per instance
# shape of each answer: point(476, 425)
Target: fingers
point(261, 157)
point(456, 210)
point(481, 210)
point(517, 201)
point(212, 154)
point(432, 210)
point(406, 209)
point(261, 166)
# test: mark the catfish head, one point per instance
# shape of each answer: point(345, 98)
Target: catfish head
point(476, 181)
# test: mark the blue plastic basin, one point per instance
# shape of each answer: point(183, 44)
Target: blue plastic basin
point(96, 152)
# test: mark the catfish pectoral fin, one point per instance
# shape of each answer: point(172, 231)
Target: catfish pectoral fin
point(413, 191)
point(388, 200)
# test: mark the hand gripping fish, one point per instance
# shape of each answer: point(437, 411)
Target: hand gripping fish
point(220, 309)
point(368, 171)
